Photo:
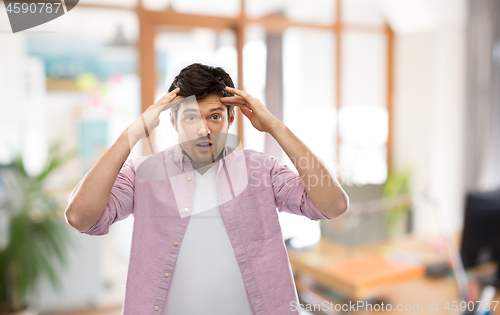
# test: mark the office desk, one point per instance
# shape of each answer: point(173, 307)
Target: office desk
point(309, 270)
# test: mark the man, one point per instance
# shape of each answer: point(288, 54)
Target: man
point(206, 236)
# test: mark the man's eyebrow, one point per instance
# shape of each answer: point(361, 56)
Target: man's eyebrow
point(190, 110)
point(216, 109)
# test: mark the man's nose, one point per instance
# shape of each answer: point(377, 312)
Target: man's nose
point(203, 129)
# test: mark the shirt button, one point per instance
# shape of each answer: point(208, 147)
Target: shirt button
point(189, 177)
point(156, 308)
point(234, 235)
point(166, 275)
point(176, 243)
point(186, 209)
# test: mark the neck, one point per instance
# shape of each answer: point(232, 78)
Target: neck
point(202, 167)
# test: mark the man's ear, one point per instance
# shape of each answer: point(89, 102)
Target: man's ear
point(172, 121)
point(231, 120)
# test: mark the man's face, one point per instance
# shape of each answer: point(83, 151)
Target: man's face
point(202, 127)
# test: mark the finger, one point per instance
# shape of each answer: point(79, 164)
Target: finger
point(233, 99)
point(251, 102)
point(173, 92)
point(248, 113)
point(169, 105)
point(234, 103)
point(168, 97)
point(241, 93)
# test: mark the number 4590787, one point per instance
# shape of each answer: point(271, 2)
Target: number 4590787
point(33, 7)
point(470, 306)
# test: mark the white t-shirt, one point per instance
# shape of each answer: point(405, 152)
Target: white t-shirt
point(206, 278)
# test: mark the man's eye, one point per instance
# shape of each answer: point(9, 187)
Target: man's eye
point(215, 117)
point(190, 118)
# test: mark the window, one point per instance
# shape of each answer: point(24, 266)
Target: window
point(344, 43)
point(363, 115)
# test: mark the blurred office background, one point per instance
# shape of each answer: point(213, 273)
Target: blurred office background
point(399, 97)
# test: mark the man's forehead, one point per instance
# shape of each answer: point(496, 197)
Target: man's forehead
point(208, 103)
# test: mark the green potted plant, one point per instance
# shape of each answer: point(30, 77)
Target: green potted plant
point(397, 184)
point(35, 234)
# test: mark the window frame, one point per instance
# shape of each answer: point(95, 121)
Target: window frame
point(151, 21)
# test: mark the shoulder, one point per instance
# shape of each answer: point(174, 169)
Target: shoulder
point(149, 161)
point(135, 162)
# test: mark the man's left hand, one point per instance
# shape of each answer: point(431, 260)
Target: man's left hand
point(260, 117)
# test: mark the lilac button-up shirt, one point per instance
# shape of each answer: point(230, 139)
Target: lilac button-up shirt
point(158, 191)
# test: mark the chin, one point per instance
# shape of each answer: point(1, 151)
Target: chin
point(201, 157)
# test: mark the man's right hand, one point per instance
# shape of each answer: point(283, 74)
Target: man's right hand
point(89, 199)
point(150, 118)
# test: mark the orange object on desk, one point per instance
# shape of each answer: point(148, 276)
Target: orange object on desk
point(371, 271)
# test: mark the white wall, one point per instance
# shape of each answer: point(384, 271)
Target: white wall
point(429, 107)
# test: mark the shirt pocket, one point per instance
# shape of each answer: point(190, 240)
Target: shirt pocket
point(260, 215)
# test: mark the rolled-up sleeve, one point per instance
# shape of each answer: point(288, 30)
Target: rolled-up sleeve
point(290, 192)
point(120, 202)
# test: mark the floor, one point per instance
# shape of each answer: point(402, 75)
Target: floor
point(117, 310)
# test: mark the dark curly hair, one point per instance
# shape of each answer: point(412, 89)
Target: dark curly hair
point(201, 80)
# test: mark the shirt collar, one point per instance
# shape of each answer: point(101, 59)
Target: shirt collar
point(180, 157)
